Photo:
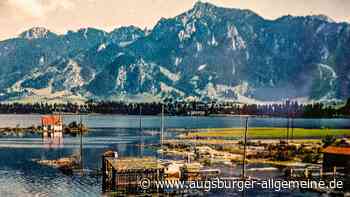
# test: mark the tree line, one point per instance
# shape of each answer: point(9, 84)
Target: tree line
point(287, 109)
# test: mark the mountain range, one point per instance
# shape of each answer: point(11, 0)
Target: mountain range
point(206, 53)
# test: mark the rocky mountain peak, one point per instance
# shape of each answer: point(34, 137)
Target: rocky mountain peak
point(322, 18)
point(201, 9)
point(130, 28)
point(199, 5)
point(91, 32)
point(36, 33)
point(319, 17)
point(126, 35)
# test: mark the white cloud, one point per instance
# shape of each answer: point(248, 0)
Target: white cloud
point(29, 7)
point(40, 8)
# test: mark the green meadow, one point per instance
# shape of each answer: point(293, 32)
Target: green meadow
point(269, 133)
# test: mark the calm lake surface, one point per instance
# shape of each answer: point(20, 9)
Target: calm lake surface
point(20, 176)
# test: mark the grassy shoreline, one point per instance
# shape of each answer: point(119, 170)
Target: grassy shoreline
point(266, 133)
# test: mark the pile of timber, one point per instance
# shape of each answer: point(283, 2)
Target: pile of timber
point(65, 164)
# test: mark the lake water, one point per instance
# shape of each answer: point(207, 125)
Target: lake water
point(20, 176)
point(118, 121)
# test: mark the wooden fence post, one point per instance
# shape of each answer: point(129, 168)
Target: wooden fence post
point(306, 173)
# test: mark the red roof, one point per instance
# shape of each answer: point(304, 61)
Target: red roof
point(337, 150)
point(50, 120)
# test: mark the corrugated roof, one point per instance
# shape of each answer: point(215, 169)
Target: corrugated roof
point(337, 150)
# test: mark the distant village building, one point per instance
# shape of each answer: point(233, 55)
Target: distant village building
point(337, 156)
point(196, 113)
point(52, 127)
point(52, 123)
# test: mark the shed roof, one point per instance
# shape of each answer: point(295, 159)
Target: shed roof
point(337, 150)
point(132, 163)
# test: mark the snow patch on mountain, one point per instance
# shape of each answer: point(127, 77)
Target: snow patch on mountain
point(42, 60)
point(184, 18)
point(72, 74)
point(178, 61)
point(201, 67)
point(185, 34)
point(233, 69)
point(329, 69)
point(237, 40)
point(146, 71)
point(121, 78)
point(101, 47)
point(324, 53)
point(213, 41)
point(195, 78)
point(172, 76)
point(125, 43)
point(320, 28)
point(199, 47)
point(16, 87)
point(85, 33)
